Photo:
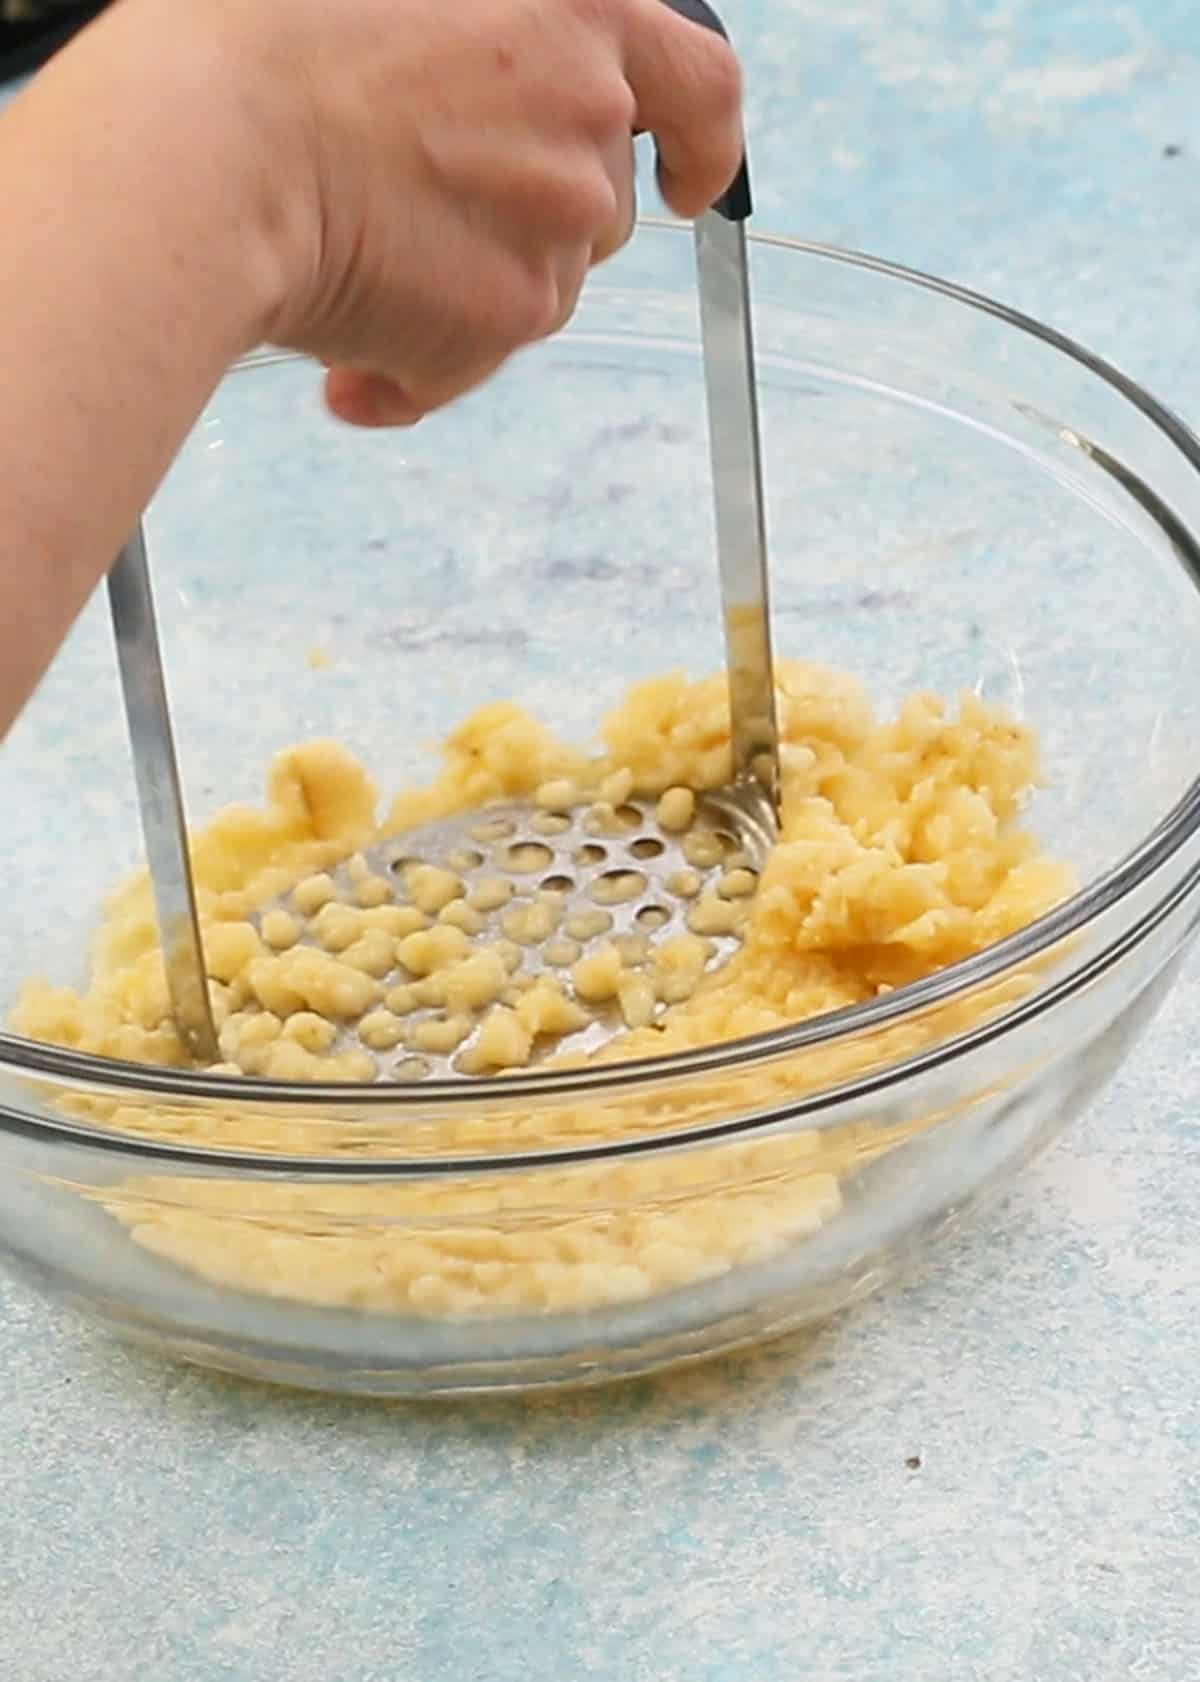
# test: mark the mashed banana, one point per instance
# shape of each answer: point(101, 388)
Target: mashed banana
point(899, 853)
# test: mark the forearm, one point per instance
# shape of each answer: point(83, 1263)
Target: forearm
point(408, 192)
point(131, 272)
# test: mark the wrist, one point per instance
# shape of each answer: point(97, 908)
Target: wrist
point(199, 135)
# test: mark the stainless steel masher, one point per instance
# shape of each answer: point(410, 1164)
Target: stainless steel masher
point(615, 870)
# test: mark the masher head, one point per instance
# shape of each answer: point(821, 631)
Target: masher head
point(523, 932)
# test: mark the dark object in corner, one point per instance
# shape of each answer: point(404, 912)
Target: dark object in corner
point(913, 1462)
point(31, 31)
point(1172, 151)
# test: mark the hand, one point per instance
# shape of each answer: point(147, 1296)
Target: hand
point(409, 190)
point(448, 174)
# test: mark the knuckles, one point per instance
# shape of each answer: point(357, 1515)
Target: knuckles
point(720, 81)
point(515, 304)
point(580, 205)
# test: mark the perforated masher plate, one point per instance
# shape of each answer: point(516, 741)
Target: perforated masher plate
point(606, 874)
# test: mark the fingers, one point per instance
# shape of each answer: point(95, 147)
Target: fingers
point(504, 233)
point(455, 365)
point(448, 366)
point(687, 85)
point(620, 169)
point(364, 399)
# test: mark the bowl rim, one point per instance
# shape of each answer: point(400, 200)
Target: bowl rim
point(1162, 842)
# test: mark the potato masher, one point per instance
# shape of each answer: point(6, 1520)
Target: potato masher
point(593, 872)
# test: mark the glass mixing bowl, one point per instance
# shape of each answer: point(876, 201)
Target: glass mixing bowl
point(958, 499)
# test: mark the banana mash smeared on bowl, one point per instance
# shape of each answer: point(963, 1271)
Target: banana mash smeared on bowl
point(899, 853)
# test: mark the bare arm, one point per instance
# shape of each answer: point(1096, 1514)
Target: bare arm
point(408, 192)
point(129, 278)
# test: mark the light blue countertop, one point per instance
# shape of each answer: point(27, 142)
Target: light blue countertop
point(992, 1472)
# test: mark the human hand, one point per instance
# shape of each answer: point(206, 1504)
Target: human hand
point(443, 178)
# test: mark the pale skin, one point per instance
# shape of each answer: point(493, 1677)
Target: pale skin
point(407, 192)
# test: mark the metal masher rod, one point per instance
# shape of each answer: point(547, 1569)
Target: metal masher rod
point(733, 428)
point(156, 770)
point(727, 337)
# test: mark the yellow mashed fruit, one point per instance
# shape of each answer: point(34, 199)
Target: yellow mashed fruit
point(899, 852)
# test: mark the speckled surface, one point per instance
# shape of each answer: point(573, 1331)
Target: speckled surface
point(990, 1473)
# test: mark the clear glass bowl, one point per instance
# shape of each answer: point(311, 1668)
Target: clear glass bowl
point(958, 498)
